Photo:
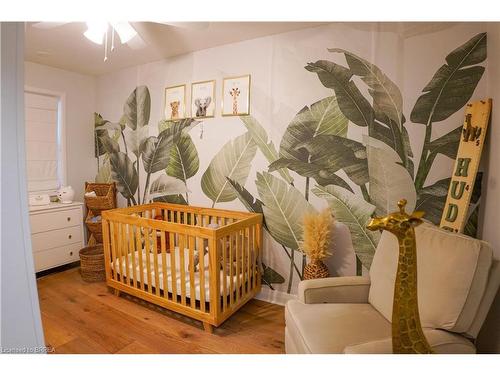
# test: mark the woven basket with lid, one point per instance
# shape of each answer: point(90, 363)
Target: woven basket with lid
point(105, 198)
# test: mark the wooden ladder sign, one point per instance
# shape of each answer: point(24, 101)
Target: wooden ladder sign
point(477, 115)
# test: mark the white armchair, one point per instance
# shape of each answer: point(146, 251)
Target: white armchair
point(457, 281)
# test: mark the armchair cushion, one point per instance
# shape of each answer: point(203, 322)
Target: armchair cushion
point(347, 289)
point(452, 275)
point(441, 342)
point(329, 328)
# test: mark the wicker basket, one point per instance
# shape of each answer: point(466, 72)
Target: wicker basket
point(94, 228)
point(105, 199)
point(92, 263)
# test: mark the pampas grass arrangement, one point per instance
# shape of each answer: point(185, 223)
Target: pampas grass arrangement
point(317, 233)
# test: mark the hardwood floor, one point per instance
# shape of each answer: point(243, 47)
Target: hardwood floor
point(80, 317)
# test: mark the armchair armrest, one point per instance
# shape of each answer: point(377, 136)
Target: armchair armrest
point(347, 289)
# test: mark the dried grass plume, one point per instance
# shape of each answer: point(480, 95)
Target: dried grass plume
point(317, 229)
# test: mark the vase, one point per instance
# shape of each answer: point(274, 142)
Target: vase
point(316, 269)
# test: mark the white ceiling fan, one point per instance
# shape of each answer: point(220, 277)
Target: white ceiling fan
point(103, 32)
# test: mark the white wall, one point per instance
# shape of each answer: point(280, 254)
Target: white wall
point(80, 94)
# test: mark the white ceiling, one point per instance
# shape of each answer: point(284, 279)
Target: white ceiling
point(65, 46)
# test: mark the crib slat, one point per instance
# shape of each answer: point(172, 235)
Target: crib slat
point(124, 239)
point(164, 262)
point(214, 267)
point(238, 267)
point(249, 259)
point(231, 270)
point(114, 250)
point(201, 255)
point(243, 263)
point(148, 258)
point(106, 244)
point(140, 252)
point(173, 268)
point(254, 257)
point(259, 250)
point(131, 244)
point(119, 256)
point(224, 273)
point(155, 262)
point(183, 268)
point(192, 286)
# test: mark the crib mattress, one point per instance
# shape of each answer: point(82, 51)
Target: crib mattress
point(178, 277)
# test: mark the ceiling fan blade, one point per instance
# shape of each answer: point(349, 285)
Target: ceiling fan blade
point(187, 25)
point(137, 42)
point(48, 25)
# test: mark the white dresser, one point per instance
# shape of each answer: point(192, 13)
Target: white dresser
point(56, 234)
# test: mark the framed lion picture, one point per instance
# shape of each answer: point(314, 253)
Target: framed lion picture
point(175, 102)
point(203, 99)
point(236, 96)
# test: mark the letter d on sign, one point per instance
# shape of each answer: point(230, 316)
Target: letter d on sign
point(452, 212)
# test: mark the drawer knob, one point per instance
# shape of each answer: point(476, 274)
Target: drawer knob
point(69, 236)
point(71, 253)
point(68, 218)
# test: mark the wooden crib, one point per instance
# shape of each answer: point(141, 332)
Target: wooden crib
point(200, 262)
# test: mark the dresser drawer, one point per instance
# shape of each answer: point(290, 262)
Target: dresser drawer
point(56, 257)
point(56, 238)
point(42, 222)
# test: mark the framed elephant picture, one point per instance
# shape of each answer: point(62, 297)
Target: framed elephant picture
point(203, 99)
point(236, 96)
point(175, 102)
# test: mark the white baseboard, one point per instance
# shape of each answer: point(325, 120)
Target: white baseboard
point(274, 296)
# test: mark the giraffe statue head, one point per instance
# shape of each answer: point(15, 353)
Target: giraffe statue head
point(397, 222)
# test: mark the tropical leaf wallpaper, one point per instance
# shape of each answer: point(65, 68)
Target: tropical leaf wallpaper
point(317, 157)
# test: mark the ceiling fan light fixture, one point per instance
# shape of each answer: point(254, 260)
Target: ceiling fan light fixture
point(124, 30)
point(95, 31)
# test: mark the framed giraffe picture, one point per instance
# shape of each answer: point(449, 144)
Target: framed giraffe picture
point(236, 96)
point(175, 102)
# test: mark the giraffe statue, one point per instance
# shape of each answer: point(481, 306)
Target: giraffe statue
point(235, 92)
point(407, 334)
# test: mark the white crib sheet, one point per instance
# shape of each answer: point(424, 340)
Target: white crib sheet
point(178, 278)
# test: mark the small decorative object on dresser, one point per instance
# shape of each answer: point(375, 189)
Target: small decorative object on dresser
point(66, 194)
point(317, 229)
point(56, 234)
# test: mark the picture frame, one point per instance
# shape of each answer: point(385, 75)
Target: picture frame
point(236, 95)
point(175, 103)
point(203, 99)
